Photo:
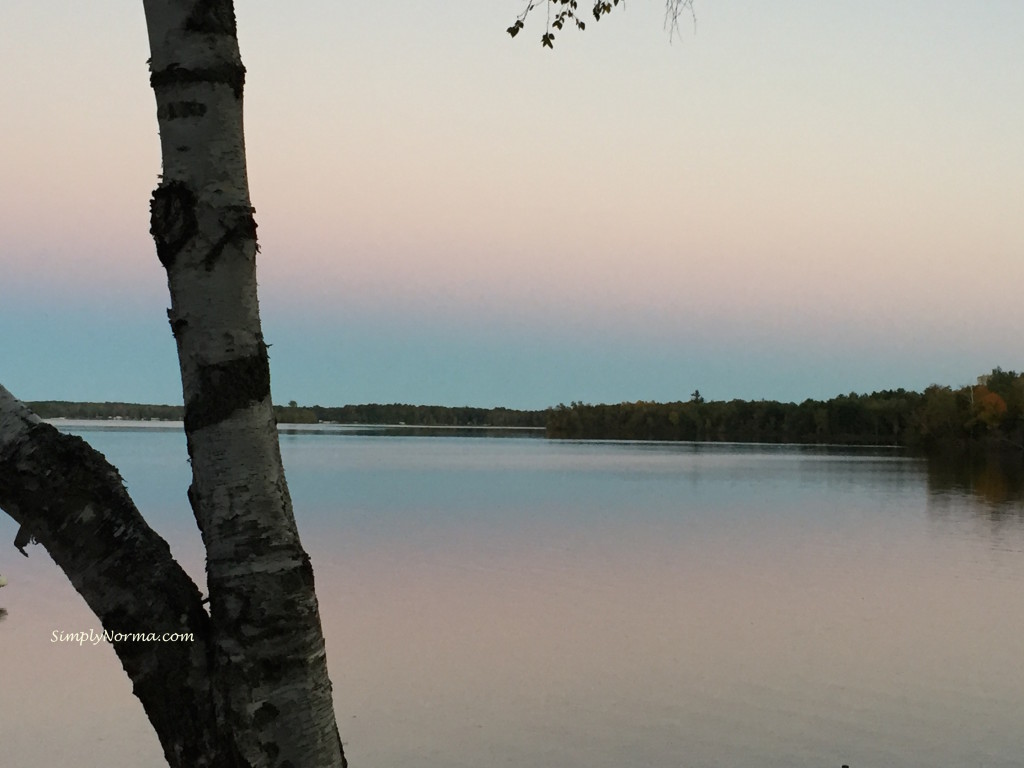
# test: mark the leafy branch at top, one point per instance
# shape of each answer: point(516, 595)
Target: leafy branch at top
point(562, 12)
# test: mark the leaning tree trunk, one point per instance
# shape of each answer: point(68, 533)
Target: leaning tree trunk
point(66, 497)
point(269, 671)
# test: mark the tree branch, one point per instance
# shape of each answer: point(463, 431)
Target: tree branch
point(568, 12)
point(68, 498)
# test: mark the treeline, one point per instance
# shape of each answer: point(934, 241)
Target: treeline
point(411, 415)
point(989, 413)
point(56, 409)
point(395, 413)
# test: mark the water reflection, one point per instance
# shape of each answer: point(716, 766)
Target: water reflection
point(998, 481)
point(983, 498)
point(3, 614)
point(521, 601)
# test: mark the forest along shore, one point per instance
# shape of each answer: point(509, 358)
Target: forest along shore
point(987, 416)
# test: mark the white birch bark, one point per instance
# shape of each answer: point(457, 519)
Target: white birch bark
point(269, 666)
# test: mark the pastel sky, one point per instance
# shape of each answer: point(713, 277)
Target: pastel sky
point(789, 200)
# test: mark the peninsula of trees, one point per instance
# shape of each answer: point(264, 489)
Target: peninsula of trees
point(989, 413)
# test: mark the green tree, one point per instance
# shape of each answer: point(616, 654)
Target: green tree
point(940, 417)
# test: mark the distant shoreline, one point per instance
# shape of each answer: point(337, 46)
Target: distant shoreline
point(986, 417)
point(390, 414)
point(117, 423)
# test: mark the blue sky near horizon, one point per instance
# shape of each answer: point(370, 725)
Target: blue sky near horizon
point(785, 202)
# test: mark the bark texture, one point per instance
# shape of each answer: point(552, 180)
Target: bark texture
point(269, 671)
point(69, 499)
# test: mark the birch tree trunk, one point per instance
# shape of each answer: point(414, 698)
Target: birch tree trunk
point(270, 682)
point(251, 690)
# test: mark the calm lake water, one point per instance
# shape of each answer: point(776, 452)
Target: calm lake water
point(523, 602)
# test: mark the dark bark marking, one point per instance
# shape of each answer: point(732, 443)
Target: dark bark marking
point(172, 216)
point(232, 75)
point(271, 750)
point(265, 715)
point(272, 671)
point(178, 327)
point(227, 387)
point(240, 229)
point(174, 110)
point(213, 17)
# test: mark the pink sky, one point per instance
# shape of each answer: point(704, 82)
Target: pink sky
point(781, 193)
